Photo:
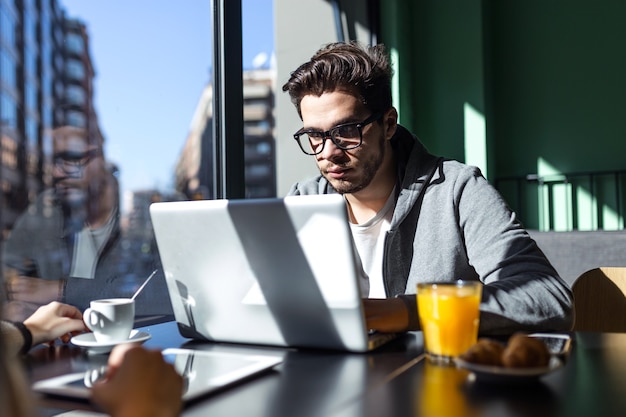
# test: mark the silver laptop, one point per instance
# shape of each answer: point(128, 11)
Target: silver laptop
point(280, 272)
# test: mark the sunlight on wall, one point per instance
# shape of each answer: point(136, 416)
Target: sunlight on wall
point(544, 168)
point(612, 219)
point(587, 215)
point(475, 138)
point(565, 206)
point(395, 82)
point(555, 200)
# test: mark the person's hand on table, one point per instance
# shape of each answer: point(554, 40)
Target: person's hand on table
point(387, 315)
point(139, 383)
point(55, 321)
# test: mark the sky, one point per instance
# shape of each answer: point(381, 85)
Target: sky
point(152, 59)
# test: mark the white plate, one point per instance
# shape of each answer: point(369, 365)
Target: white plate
point(500, 374)
point(88, 340)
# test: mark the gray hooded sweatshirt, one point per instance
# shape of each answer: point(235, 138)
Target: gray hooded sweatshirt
point(459, 227)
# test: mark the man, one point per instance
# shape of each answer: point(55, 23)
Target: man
point(67, 246)
point(415, 217)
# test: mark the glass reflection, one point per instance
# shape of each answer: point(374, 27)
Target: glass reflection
point(442, 392)
point(137, 120)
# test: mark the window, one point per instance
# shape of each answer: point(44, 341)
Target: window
point(30, 95)
point(120, 107)
point(7, 68)
point(76, 118)
point(75, 95)
point(75, 69)
point(7, 26)
point(74, 43)
point(8, 113)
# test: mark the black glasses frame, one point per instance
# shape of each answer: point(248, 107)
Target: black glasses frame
point(329, 135)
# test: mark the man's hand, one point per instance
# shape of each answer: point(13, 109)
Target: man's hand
point(388, 315)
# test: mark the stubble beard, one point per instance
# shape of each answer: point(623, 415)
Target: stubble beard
point(369, 167)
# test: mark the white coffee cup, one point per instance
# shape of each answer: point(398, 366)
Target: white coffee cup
point(110, 320)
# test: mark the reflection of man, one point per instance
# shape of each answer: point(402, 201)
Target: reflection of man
point(67, 246)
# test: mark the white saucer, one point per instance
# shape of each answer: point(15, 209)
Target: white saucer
point(88, 340)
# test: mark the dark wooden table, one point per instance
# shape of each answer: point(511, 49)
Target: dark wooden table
point(393, 381)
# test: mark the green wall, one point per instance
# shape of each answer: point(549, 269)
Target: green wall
point(438, 69)
point(549, 77)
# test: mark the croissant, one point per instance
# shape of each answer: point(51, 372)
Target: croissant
point(523, 351)
point(485, 352)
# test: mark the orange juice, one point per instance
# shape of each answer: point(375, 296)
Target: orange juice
point(449, 316)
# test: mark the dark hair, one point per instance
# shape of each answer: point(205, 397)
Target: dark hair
point(65, 131)
point(347, 66)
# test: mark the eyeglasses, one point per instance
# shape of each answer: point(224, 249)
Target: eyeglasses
point(73, 163)
point(346, 136)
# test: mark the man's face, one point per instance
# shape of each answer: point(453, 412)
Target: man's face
point(77, 169)
point(354, 170)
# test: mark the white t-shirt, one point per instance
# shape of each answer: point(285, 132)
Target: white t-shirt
point(369, 239)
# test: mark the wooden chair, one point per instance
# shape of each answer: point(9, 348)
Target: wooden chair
point(600, 300)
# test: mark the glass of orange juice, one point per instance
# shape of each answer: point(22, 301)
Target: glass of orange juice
point(449, 317)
